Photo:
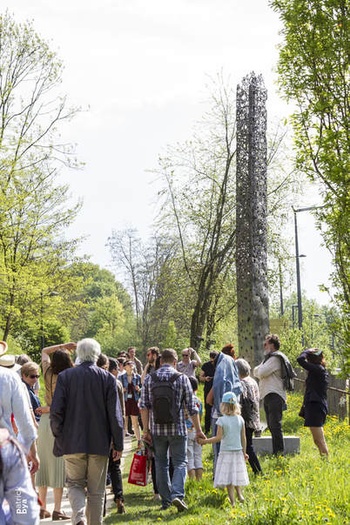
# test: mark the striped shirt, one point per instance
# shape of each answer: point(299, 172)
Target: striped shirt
point(184, 398)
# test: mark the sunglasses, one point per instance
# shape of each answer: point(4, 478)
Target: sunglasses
point(185, 355)
point(34, 377)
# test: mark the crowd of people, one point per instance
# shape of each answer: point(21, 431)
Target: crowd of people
point(75, 437)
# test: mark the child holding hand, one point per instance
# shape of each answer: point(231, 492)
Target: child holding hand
point(231, 471)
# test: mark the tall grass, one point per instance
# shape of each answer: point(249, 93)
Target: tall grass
point(293, 489)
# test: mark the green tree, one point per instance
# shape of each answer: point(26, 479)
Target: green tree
point(145, 266)
point(314, 68)
point(197, 207)
point(105, 308)
point(34, 208)
point(198, 210)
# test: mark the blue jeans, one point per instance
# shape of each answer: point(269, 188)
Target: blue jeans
point(16, 487)
point(176, 447)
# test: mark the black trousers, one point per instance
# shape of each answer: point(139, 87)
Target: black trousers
point(253, 458)
point(274, 406)
point(207, 418)
point(116, 477)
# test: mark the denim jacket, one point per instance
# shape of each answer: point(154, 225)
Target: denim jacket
point(226, 379)
point(136, 381)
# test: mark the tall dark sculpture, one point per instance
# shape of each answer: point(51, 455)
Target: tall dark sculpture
point(251, 218)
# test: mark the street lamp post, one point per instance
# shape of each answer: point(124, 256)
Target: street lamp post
point(297, 262)
point(294, 307)
point(281, 288)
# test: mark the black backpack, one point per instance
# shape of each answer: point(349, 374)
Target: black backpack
point(163, 396)
point(287, 372)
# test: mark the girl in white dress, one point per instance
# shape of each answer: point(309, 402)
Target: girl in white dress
point(231, 471)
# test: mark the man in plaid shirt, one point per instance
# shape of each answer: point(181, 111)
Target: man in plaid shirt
point(170, 438)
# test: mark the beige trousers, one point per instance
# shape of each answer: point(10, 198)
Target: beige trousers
point(86, 471)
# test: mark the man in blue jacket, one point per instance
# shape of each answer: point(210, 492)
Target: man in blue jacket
point(85, 419)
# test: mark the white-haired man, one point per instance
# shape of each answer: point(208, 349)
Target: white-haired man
point(85, 417)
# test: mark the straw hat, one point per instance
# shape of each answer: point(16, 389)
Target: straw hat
point(9, 361)
point(3, 347)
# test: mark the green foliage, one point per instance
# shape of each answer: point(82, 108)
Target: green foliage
point(314, 69)
point(197, 203)
point(34, 208)
point(318, 331)
point(106, 312)
point(170, 340)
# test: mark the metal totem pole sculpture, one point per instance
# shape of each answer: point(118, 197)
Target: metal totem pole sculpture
point(251, 218)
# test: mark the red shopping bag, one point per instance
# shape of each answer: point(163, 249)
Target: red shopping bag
point(138, 470)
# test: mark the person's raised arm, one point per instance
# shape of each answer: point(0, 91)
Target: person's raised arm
point(195, 357)
point(45, 353)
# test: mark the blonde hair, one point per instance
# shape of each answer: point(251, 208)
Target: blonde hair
point(30, 368)
point(230, 409)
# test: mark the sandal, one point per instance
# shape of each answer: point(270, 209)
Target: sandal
point(44, 514)
point(59, 516)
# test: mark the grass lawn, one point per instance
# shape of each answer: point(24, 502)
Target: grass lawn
point(294, 489)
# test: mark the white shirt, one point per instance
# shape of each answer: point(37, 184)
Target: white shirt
point(13, 400)
point(270, 379)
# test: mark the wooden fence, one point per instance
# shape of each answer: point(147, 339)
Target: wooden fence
point(338, 393)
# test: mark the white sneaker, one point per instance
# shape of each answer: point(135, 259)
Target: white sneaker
point(179, 504)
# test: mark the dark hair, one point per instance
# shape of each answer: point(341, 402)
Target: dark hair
point(60, 360)
point(229, 350)
point(102, 360)
point(122, 354)
point(274, 340)
point(168, 356)
point(316, 357)
point(194, 383)
point(213, 354)
point(113, 364)
point(154, 350)
point(157, 363)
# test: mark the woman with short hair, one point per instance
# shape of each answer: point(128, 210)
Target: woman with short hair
point(250, 410)
point(30, 373)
